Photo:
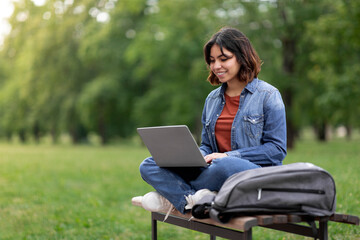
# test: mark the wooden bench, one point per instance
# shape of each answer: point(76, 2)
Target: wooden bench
point(241, 227)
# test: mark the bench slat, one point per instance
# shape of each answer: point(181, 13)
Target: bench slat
point(239, 223)
point(242, 223)
point(294, 218)
point(265, 220)
point(279, 218)
point(344, 218)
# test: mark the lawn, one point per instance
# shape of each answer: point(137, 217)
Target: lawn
point(84, 192)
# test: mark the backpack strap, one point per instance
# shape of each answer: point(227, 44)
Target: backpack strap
point(311, 221)
point(219, 216)
point(202, 208)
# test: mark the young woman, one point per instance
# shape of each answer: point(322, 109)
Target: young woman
point(244, 127)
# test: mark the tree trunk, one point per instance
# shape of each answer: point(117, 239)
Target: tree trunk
point(320, 130)
point(291, 130)
point(36, 133)
point(74, 136)
point(102, 128)
point(54, 135)
point(22, 136)
point(288, 67)
point(348, 132)
point(78, 134)
point(8, 136)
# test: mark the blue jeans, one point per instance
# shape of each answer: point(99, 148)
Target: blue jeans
point(176, 183)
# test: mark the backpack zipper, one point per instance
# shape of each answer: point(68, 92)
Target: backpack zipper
point(312, 191)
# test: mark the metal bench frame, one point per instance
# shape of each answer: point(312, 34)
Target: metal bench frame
point(285, 223)
point(241, 227)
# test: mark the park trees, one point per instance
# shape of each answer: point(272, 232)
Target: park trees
point(45, 74)
point(108, 66)
point(335, 65)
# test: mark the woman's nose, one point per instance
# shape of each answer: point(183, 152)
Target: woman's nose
point(217, 65)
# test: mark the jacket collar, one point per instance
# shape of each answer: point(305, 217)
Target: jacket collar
point(251, 87)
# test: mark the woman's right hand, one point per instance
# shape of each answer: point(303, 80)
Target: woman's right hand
point(212, 156)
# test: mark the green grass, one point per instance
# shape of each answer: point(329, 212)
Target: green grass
point(84, 192)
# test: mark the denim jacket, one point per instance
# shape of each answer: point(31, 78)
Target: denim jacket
point(258, 131)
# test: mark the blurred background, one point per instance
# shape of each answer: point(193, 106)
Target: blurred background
point(97, 69)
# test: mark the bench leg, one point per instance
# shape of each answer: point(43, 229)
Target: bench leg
point(153, 228)
point(212, 237)
point(323, 230)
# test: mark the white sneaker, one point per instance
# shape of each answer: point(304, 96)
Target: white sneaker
point(137, 201)
point(192, 199)
point(154, 202)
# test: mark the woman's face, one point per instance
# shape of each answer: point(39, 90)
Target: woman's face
point(224, 64)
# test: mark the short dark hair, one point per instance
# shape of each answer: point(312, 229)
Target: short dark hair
point(236, 42)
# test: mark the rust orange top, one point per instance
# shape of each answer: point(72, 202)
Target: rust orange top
point(224, 123)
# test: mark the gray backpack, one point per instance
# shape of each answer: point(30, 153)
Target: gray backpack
point(298, 188)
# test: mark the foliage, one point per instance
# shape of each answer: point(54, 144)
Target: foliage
point(336, 71)
point(108, 66)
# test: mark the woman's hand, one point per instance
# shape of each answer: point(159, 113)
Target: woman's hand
point(212, 156)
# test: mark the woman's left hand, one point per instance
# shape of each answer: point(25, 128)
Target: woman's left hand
point(212, 156)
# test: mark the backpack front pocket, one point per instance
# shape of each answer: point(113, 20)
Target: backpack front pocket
point(289, 190)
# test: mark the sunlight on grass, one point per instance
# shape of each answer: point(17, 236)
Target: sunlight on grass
point(84, 192)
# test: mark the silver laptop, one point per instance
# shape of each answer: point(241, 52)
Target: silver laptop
point(172, 146)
